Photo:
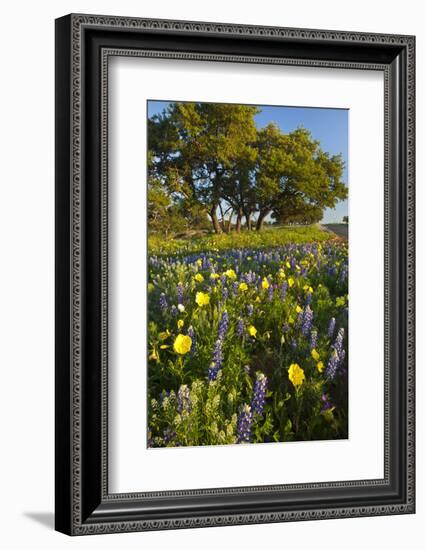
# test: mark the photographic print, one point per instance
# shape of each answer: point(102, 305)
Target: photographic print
point(248, 267)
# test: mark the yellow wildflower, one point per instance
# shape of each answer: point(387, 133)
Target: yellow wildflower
point(252, 331)
point(265, 283)
point(180, 323)
point(150, 287)
point(202, 299)
point(282, 273)
point(182, 344)
point(154, 355)
point(296, 375)
point(200, 262)
point(315, 355)
point(243, 287)
point(198, 277)
point(214, 276)
point(290, 282)
point(340, 301)
point(288, 265)
point(164, 335)
point(298, 309)
point(257, 299)
point(230, 273)
point(290, 320)
point(320, 366)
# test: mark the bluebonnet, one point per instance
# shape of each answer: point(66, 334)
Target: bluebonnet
point(225, 293)
point(169, 435)
point(235, 288)
point(250, 310)
point(223, 325)
point(240, 327)
point(284, 287)
point(217, 361)
point(163, 302)
point(309, 299)
point(308, 316)
point(331, 327)
point(191, 334)
point(259, 393)
point(270, 293)
point(325, 403)
point(314, 337)
point(179, 290)
point(338, 344)
point(332, 365)
point(174, 310)
point(183, 399)
point(244, 423)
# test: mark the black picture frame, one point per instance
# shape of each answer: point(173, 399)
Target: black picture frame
point(83, 45)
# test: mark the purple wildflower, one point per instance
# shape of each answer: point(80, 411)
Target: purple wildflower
point(225, 293)
point(183, 399)
point(245, 420)
point(191, 334)
point(331, 327)
point(326, 405)
point(259, 393)
point(270, 293)
point(217, 361)
point(223, 325)
point(308, 316)
point(284, 287)
point(332, 365)
point(174, 310)
point(314, 337)
point(163, 302)
point(250, 309)
point(240, 327)
point(338, 343)
point(179, 290)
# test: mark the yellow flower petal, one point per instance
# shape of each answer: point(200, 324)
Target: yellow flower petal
point(315, 355)
point(320, 366)
point(296, 375)
point(252, 331)
point(202, 299)
point(182, 344)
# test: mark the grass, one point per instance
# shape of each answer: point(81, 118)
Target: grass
point(269, 237)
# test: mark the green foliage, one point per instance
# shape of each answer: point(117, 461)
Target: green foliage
point(269, 237)
point(210, 159)
point(263, 335)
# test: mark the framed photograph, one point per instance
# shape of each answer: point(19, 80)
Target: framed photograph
point(234, 274)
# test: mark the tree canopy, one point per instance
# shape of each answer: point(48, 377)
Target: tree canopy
point(208, 163)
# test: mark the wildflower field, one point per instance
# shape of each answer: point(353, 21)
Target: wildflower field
point(247, 338)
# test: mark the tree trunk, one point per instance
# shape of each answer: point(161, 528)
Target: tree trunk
point(238, 223)
point(229, 224)
point(215, 221)
point(261, 219)
point(248, 221)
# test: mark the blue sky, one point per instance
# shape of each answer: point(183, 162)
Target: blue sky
point(328, 126)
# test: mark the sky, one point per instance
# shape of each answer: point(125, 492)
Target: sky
point(328, 126)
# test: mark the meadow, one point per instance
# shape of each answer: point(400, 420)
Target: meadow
point(247, 338)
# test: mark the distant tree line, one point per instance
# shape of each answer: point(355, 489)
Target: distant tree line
point(210, 166)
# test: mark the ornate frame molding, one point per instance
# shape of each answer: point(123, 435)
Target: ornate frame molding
point(73, 48)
